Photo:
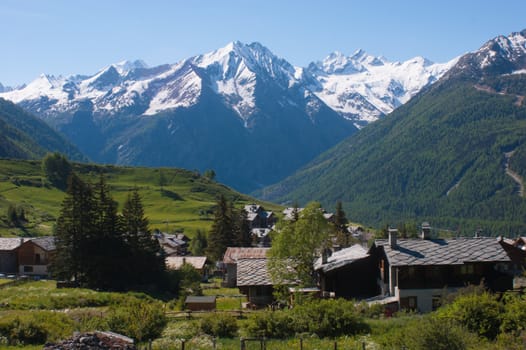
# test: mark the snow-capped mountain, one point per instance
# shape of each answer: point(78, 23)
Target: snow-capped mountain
point(239, 110)
point(361, 88)
point(5, 88)
point(501, 55)
point(364, 88)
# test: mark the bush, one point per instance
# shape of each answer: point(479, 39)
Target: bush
point(271, 324)
point(219, 325)
point(36, 327)
point(328, 318)
point(437, 334)
point(325, 318)
point(514, 317)
point(138, 319)
point(480, 314)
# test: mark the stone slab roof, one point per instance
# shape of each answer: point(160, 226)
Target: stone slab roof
point(253, 272)
point(46, 243)
point(342, 258)
point(411, 252)
point(8, 243)
point(200, 299)
point(11, 243)
point(233, 254)
point(175, 262)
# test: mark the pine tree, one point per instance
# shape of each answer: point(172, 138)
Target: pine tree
point(12, 216)
point(146, 259)
point(57, 169)
point(75, 231)
point(109, 249)
point(241, 229)
point(340, 224)
point(221, 234)
point(199, 243)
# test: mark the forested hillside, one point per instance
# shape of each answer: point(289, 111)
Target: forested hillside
point(24, 136)
point(442, 158)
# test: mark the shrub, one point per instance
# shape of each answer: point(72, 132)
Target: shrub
point(36, 327)
point(480, 314)
point(328, 318)
point(138, 319)
point(514, 317)
point(325, 318)
point(219, 325)
point(271, 324)
point(437, 334)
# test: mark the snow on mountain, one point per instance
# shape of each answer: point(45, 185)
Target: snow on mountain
point(363, 88)
point(5, 88)
point(508, 47)
point(500, 55)
point(359, 87)
point(234, 70)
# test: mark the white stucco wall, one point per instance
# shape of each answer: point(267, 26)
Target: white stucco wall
point(424, 297)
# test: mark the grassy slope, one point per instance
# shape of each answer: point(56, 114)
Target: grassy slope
point(185, 195)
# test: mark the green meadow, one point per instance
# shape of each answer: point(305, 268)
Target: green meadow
point(173, 199)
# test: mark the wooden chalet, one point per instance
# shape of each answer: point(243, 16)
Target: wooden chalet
point(348, 273)
point(418, 271)
point(35, 255)
point(232, 256)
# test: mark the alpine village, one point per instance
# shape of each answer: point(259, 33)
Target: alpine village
point(228, 202)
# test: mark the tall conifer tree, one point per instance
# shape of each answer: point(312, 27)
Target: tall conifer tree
point(221, 234)
point(241, 228)
point(109, 242)
point(146, 261)
point(74, 231)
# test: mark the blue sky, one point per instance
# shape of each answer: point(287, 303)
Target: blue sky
point(81, 36)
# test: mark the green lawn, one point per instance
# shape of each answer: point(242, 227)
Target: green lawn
point(184, 202)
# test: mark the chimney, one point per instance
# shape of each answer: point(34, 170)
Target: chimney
point(426, 230)
point(393, 234)
point(325, 255)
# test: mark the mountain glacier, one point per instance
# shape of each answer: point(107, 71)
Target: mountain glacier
point(360, 87)
point(364, 88)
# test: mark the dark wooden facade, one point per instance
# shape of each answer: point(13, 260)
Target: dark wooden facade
point(354, 280)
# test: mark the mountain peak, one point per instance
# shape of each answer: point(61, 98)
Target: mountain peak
point(125, 66)
point(500, 55)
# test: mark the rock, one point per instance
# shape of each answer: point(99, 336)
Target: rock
point(94, 341)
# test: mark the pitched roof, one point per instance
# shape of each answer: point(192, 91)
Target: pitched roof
point(47, 243)
point(233, 254)
point(253, 208)
point(289, 212)
point(410, 252)
point(342, 258)
point(175, 262)
point(200, 299)
point(10, 243)
point(252, 272)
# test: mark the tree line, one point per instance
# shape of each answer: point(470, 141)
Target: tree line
point(98, 247)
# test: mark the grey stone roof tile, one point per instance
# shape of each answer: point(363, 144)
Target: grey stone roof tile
point(252, 272)
point(443, 251)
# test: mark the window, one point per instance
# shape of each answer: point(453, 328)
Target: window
point(37, 259)
point(436, 302)
point(408, 303)
point(28, 268)
point(467, 269)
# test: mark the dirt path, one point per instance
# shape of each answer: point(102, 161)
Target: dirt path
point(487, 89)
point(516, 177)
